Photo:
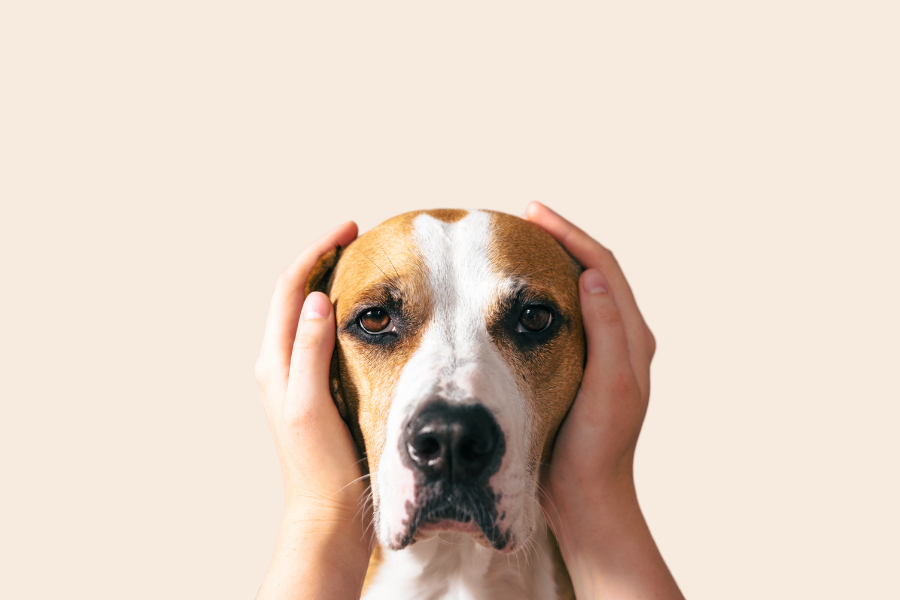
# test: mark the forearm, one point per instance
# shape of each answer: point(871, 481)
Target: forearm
point(315, 558)
point(609, 551)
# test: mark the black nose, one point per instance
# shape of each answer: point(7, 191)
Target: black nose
point(454, 443)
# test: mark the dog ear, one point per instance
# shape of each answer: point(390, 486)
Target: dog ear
point(579, 268)
point(319, 279)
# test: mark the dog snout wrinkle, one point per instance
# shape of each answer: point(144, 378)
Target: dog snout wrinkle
point(453, 443)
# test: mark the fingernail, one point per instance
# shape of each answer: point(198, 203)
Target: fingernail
point(317, 306)
point(594, 282)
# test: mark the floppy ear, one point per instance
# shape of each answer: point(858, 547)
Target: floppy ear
point(579, 268)
point(320, 280)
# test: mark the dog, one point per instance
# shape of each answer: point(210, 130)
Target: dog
point(460, 348)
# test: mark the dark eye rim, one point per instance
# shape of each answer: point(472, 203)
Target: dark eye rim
point(362, 313)
point(551, 318)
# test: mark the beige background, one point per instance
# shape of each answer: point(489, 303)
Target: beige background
point(161, 162)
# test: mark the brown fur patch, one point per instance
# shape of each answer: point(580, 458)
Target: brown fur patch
point(550, 373)
point(384, 268)
point(381, 267)
point(320, 275)
point(447, 215)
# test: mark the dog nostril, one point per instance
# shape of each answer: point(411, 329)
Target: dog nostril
point(453, 443)
point(474, 448)
point(425, 448)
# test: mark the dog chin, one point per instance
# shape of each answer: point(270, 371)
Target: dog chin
point(501, 541)
point(430, 529)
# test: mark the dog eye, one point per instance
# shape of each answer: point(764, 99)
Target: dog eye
point(534, 319)
point(375, 320)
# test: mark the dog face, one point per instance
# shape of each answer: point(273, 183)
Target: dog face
point(459, 350)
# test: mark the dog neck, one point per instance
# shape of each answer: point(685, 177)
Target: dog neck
point(453, 566)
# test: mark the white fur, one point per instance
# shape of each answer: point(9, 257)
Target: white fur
point(457, 360)
point(453, 567)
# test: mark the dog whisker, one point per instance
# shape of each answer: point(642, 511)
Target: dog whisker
point(387, 256)
point(443, 378)
point(549, 498)
point(357, 480)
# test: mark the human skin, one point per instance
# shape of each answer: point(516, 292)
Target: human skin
point(321, 551)
point(323, 544)
point(590, 499)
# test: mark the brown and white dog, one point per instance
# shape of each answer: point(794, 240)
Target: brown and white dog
point(459, 350)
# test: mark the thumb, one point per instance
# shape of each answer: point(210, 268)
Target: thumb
point(608, 367)
point(319, 443)
point(313, 345)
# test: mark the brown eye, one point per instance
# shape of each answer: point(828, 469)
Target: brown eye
point(535, 319)
point(375, 320)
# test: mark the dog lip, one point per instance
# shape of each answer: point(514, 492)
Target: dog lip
point(447, 513)
point(451, 525)
point(455, 517)
point(446, 516)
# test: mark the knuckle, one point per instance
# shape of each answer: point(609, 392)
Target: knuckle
point(609, 261)
point(305, 344)
point(607, 255)
point(261, 370)
point(268, 374)
point(311, 336)
point(651, 339)
point(624, 384)
point(292, 417)
point(281, 280)
point(297, 417)
point(608, 315)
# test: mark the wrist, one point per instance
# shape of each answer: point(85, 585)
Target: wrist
point(311, 543)
point(608, 548)
point(597, 515)
point(327, 526)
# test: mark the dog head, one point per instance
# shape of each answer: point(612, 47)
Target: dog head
point(459, 350)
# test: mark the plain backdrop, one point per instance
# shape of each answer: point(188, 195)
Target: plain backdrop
point(161, 162)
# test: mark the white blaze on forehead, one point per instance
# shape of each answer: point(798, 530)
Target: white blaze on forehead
point(464, 289)
point(460, 274)
point(457, 361)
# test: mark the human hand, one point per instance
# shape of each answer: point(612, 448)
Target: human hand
point(589, 496)
point(598, 438)
point(323, 525)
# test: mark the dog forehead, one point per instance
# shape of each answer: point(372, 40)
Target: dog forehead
point(385, 256)
point(444, 273)
point(524, 250)
point(416, 250)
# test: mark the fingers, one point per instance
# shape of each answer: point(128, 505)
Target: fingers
point(591, 254)
point(311, 359)
point(284, 309)
point(607, 343)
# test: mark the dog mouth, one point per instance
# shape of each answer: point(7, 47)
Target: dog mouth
point(470, 511)
point(448, 513)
